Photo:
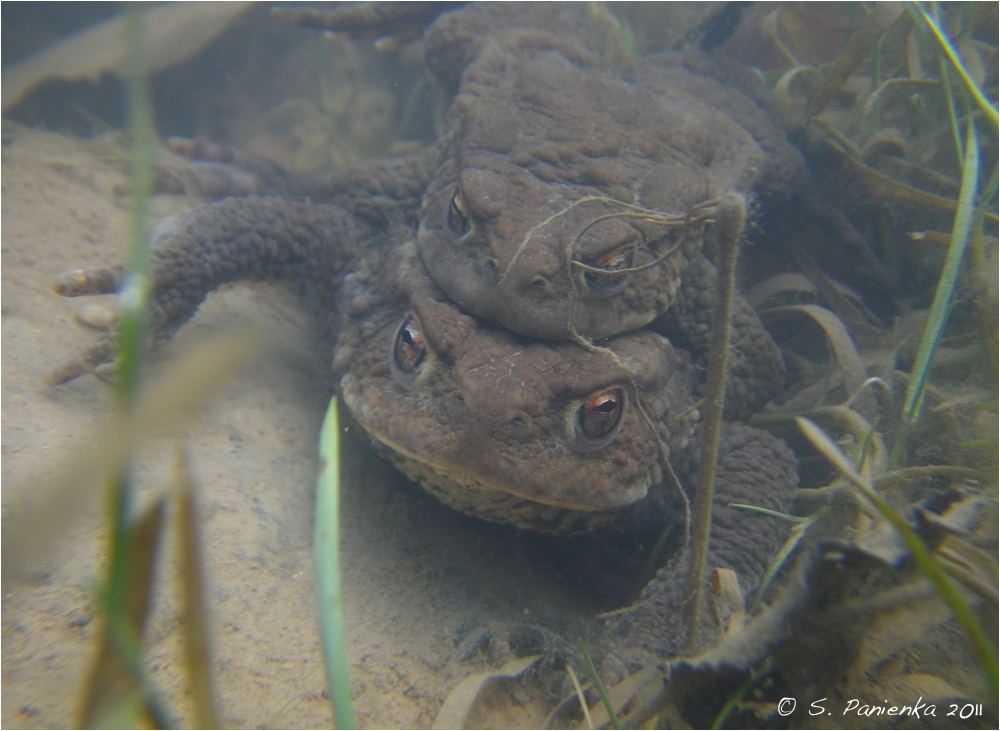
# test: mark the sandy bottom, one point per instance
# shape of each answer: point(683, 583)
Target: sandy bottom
point(423, 584)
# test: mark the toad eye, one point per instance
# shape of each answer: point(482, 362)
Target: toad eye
point(409, 351)
point(601, 413)
point(456, 218)
point(606, 274)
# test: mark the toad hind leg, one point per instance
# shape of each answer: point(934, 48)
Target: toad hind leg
point(754, 468)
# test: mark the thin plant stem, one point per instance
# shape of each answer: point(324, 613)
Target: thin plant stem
point(729, 222)
point(121, 627)
point(134, 293)
point(123, 632)
point(580, 695)
point(599, 684)
point(132, 324)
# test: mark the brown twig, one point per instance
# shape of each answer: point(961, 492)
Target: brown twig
point(729, 217)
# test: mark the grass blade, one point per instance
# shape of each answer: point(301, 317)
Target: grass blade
point(119, 690)
point(988, 110)
point(326, 558)
point(941, 305)
point(131, 334)
point(983, 649)
point(599, 684)
point(196, 645)
point(116, 688)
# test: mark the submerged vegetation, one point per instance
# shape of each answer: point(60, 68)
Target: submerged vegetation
point(118, 694)
point(891, 119)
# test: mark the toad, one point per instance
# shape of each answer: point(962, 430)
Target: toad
point(566, 199)
point(569, 200)
point(550, 436)
point(558, 437)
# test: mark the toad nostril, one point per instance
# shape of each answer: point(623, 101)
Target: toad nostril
point(516, 428)
point(492, 267)
point(540, 284)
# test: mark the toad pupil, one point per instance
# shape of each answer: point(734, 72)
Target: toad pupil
point(410, 349)
point(599, 415)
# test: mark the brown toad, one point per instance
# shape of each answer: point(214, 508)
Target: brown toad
point(570, 202)
point(565, 199)
point(553, 436)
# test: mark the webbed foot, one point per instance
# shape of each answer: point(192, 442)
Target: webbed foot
point(80, 283)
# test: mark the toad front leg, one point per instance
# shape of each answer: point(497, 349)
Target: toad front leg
point(754, 468)
point(250, 238)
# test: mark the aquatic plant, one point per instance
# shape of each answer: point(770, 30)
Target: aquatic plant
point(119, 693)
point(852, 130)
point(326, 559)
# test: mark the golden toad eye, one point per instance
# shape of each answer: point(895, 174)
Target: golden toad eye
point(611, 272)
point(456, 218)
point(599, 415)
point(409, 350)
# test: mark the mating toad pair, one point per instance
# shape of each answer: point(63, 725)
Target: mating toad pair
point(524, 306)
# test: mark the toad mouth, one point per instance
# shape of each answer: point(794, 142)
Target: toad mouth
point(473, 481)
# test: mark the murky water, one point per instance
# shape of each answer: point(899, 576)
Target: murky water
point(432, 596)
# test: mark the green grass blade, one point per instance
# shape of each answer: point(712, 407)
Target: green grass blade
point(326, 558)
point(943, 295)
point(132, 542)
point(949, 102)
point(982, 647)
point(988, 110)
point(134, 294)
point(119, 584)
point(599, 684)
